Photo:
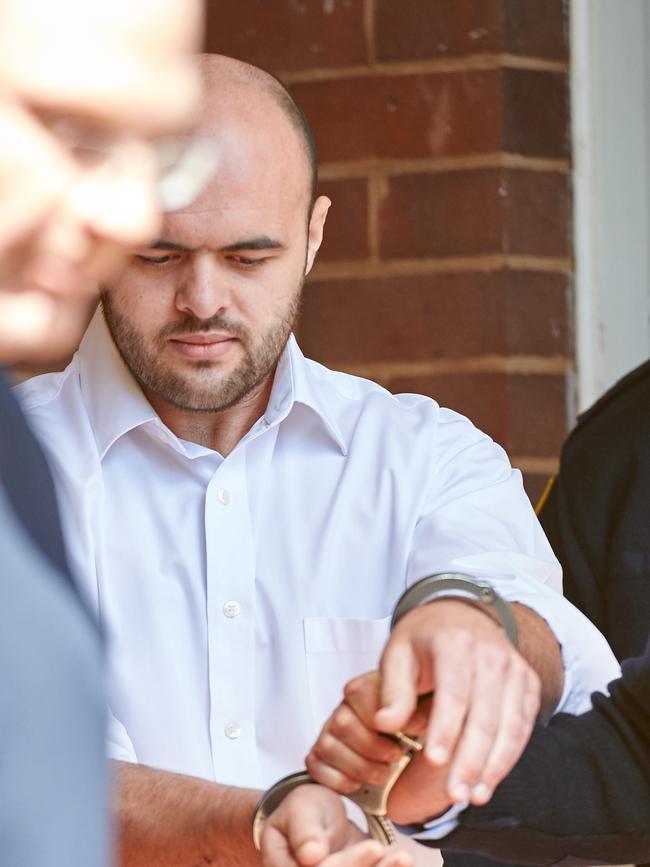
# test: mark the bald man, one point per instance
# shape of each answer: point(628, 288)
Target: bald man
point(244, 519)
point(80, 105)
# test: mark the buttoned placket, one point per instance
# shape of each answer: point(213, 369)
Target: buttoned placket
point(230, 600)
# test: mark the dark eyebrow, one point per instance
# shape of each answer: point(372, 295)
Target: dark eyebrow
point(262, 242)
point(161, 244)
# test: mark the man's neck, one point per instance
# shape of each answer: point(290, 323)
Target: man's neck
point(221, 430)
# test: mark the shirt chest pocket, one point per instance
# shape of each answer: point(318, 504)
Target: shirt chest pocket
point(336, 650)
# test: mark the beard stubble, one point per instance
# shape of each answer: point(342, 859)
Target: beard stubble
point(209, 391)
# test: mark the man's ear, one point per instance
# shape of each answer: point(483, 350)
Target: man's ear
point(316, 227)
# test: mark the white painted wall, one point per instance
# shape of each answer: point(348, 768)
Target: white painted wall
point(610, 72)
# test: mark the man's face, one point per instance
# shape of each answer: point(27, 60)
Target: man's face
point(201, 317)
point(84, 86)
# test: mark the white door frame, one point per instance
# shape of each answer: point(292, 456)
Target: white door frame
point(610, 95)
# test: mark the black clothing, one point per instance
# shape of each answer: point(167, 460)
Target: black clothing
point(27, 482)
point(580, 792)
point(597, 517)
point(583, 784)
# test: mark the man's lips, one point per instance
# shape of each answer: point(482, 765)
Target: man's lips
point(203, 347)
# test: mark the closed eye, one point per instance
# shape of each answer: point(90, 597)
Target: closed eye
point(246, 262)
point(157, 260)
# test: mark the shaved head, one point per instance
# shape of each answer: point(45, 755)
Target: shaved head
point(202, 315)
point(230, 82)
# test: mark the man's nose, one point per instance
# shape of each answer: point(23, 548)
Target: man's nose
point(205, 290)
point(117, 200)
point(123, 210)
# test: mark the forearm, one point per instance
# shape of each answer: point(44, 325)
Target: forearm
point(171, 820)
point(541, 650)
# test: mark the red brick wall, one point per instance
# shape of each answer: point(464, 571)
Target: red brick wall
point(443, 135)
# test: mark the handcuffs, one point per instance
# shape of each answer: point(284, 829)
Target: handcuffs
point(373, 799)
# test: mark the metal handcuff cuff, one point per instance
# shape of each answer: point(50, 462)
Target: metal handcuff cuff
point(373, 800)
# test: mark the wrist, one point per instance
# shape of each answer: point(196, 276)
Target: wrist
point(487, 610)
point(459, 587)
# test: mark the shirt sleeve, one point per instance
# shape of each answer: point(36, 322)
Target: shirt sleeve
point(118, 743)
point(435, 829)
point(478, 521)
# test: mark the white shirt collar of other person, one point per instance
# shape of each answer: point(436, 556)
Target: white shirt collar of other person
point(240, 594)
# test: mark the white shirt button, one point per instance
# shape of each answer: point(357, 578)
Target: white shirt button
point(232, 608)
point(225, 497)
point(232, 731)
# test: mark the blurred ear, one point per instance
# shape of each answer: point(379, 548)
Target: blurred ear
point(316, 227)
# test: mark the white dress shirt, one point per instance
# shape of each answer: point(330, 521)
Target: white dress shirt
point(240, 594)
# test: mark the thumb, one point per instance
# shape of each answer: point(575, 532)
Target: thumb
point(316, 825)
point(399, 681)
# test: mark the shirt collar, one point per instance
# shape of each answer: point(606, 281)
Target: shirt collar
point(114, 399)
point(116, 404)
point(296, 382)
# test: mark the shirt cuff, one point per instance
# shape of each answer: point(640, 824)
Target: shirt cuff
point(435, 829)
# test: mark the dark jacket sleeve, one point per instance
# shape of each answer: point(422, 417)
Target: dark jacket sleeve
point(581, 791)
point(596, 515)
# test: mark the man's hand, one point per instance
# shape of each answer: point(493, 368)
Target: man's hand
point(486, 700)
point(310, 827)
point(34, 172)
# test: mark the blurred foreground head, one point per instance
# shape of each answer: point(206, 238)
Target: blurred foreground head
point(87, 88)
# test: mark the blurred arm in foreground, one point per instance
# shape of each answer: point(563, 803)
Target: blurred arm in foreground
point(84, 89)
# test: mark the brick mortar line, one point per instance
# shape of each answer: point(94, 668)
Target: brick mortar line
point(369, 18)
point(534, 465)
point(541, 64)
point(386, 371)
point(469, 63)
point(492, 160)
point(376, 190)
point(451, 264)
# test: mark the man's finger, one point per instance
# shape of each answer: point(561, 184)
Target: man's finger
point(514, 732)
point(347, 727)
point(363, 695)
point(275, 851)
point(489, 702)
point(454, 676)
point(368, 854)
point(399, 678)
point(313, 823)
point(331, 777)
point(418, 723)
point(330, 751)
